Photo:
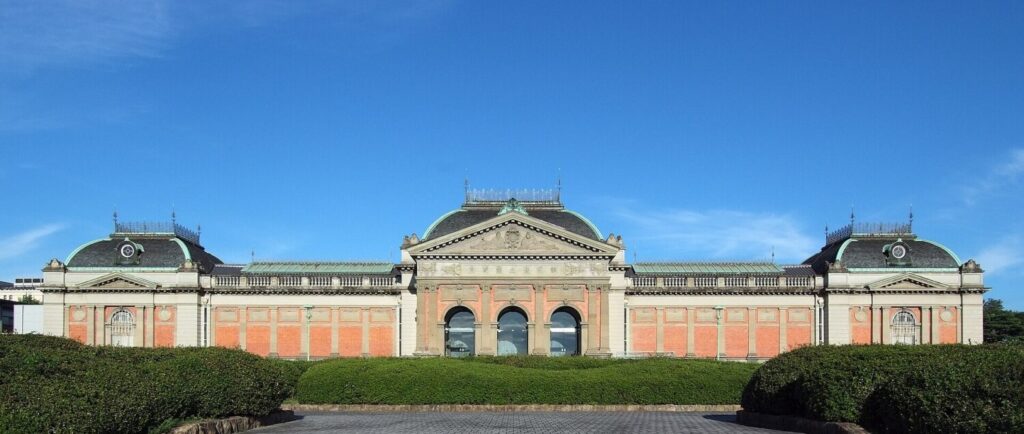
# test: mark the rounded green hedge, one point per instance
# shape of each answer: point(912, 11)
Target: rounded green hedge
point(523, 380)
point(943, 388)
point(57, 385)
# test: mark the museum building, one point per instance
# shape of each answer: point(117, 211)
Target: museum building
point(512, 273)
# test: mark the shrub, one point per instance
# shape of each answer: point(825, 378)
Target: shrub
point(947, 388)
point(56, 385)
point(523, 380)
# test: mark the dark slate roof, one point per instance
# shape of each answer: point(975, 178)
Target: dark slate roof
point(869, 253)
point(227, 270)
point(158, 252)
point(797, 270)
point(5, 284)
point(463, 218)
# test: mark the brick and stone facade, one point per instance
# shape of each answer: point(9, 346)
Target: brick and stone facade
point(501, 276)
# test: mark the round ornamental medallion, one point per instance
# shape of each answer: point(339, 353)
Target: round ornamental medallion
point(899, 251)
point(861, 316)
point(946, 316)
point(128, 250)
point(164, 314)
point(78, 314)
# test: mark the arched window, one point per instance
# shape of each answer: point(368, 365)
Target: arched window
point(904, 328)
point(565, 333)
point(122, 328)
point(459, 333)
point(512, 337)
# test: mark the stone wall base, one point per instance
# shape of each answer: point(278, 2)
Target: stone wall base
point(234, 424)
point(799, 424)
point(528, 407)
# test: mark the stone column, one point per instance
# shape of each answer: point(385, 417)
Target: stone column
point(273, 332)
point(213, 325)
point(605, 317)
point(751, 332)
point(486, 321)
point(335, 318)
point(243, 318)
point(926, 323)
point(659, 330)
point(690, 332)
point(539, 296)
point(783, 325)
point(151, 325)
point(720, 314)
point(90, 325)
point(99, 324)
point(139, 338)
point(876, 324)
point(934, 310)
point(886, 326)
point(365, 316)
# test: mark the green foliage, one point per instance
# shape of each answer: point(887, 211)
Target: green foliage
point(523, 380)
point(943, 388)
point(57, 385)
point(29, 299)
point(1002, 325)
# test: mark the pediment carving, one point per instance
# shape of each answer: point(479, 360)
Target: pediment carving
point(907, 281)
point(513, 234)
point(118, 280)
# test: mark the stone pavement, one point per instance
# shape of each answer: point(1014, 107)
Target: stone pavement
point(513, 422)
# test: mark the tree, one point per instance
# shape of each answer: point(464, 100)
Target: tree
point(28, 299)
point(1002, 325)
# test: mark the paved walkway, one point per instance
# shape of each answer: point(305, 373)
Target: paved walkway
point(513, 422)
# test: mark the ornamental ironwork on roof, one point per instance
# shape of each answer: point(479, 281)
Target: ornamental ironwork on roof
point(706, 268)
point(307, 268)
point(156, 229)
point(496, 198)
point(870, 230)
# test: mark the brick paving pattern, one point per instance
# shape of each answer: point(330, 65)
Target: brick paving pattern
point(513, 423)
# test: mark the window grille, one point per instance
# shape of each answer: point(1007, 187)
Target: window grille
point(320, 281)
point(644, 281)
point(736, 281)
point(121, 328)
point(675, 281)
point(259, 281)
point(766, 281)
point(228, 280)
point(705, 282)
point(290, 280)
point(351, 280)
point(904, 328)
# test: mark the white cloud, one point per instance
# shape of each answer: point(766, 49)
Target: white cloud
point(1002, 256)
point(724, 234)
point(1005, 174)
point(21, 243)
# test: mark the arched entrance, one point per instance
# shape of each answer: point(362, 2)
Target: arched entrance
point(512, 335)
point(904, 328)
point(565, 333)
point(122, 329)
point(459, 333)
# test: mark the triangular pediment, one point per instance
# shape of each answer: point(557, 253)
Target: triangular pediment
point(120, 281)
point(906, 281)
point(513, 233)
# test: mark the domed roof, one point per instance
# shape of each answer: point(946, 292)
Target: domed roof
point(873, 253)
point(154, 247)
point(459, 219)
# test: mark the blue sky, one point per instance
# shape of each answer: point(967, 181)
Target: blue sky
point(698, 131)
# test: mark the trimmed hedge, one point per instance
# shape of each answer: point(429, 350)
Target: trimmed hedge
point(523, 380)
point(58, 385)
point(941, 388)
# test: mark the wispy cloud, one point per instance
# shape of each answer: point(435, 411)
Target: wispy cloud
point(1002, 256)
point(723, 234)
point(18, 244)
point(1004, 175)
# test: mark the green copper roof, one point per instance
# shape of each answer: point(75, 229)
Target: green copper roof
point(676, 268)
point(318, 268)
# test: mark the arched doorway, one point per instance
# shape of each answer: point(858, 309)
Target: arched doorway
point(122, 329)
point(512, 337)
point(459, 333)
point(904, 328)
point(565, 333)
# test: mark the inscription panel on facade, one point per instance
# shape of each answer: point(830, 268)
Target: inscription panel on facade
point(512, 293)
point(477, 268)
point(453, 293)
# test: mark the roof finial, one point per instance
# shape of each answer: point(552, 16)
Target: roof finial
point(115, 219)
point(174, 216)
point(465, 187)
point(911, 217)
point(559, 196)
point(252, 255)
point(852, 216)
point(826, 231)
point(773, 254)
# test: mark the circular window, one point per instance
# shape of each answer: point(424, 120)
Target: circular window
point(127, 250)
point(899, 251)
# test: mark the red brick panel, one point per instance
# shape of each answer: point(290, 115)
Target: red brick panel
point(798, 336)
point(768, 340)
point(382, 341)
point(350, 340)
point(705, 341)
point(257, 339)
point(289, 341)
point(78, 332)
point(227, 336)
point(736, 342)
point(320, 341)
point(675, 340)
point(164, 335)
point(644, 338)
